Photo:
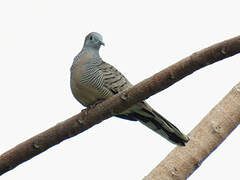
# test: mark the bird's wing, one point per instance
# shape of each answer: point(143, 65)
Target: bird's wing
point(113, 80)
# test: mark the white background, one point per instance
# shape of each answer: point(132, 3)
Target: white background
point(38, 41)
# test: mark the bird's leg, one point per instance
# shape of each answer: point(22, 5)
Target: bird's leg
point(96, 103)
point(85, 111)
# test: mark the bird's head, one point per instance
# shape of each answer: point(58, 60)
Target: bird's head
point(94, 40)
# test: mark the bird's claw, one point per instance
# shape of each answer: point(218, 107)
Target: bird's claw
point(85, 111)
point(95, 103)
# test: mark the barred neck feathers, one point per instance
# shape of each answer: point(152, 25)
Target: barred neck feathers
point(95, 56)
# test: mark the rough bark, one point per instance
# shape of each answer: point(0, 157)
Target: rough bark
point(204, 139)
point(117, 103)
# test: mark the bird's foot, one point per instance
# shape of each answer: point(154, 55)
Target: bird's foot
point(85, 111)
point(96, 103)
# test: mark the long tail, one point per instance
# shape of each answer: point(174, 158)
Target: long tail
point(158, 124)
point(165, 128)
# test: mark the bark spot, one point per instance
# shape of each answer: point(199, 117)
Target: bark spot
point(36, 146)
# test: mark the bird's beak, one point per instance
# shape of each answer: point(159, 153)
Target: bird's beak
point(102, 43)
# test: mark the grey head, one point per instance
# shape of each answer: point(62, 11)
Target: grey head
point(94, 41)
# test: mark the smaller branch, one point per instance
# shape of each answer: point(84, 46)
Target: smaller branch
point(204, 139)
point(117, 103)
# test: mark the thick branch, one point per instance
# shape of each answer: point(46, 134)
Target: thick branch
point(116, 104)
point(204, 138)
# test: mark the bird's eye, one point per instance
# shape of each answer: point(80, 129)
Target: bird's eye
point(90, 37)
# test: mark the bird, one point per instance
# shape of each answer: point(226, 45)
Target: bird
point(93, 80)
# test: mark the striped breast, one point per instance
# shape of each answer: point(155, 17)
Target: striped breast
point(92, 79)
point(86, 79)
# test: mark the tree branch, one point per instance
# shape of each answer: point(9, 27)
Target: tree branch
point(204, 139)
point(117, 103)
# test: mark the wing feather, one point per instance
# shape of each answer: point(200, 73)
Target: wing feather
point(113, 80)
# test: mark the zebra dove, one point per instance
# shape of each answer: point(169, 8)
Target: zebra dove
point(93, 80)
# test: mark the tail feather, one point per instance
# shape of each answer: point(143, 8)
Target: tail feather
point(173, 133)
point(158, 124)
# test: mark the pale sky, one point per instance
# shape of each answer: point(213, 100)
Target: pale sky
point(38, 41)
